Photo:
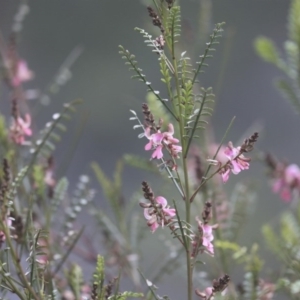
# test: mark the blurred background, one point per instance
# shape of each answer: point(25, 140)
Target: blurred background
point(87, 33)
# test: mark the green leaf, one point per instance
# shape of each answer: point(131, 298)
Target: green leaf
point(139, 163)
point(75, 279)
point(294, 22)
point(287, 91)
point(99, 272)
point(174, 25)
point(266, 49)
point(209, 49)
point(126, 295)
point(130, 60)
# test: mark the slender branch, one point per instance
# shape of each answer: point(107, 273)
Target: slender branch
point(204, 179)
point(16, 261)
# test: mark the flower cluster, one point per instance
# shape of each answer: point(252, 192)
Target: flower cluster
point(236, 160)
point(218, 286)
point(157, 212)
point(20, 128)
point(158, 139)
point(202, 242)
point(21, 73)
point(285, 177)
point(266, 290)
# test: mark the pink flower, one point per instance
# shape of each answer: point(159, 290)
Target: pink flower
point(206, 294)
point(288, 181)
point(49, 179)
point(21, 74)
point(20, 128)
point(155, 142)
point(237, 162)
point(156, 216)
point(159, 140)
point(203, 241)
point(266, 290)
point(207, 238)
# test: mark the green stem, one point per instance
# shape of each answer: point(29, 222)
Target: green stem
point(204, 179)
point(16, 261)
point(13, 287)
point(186, 181)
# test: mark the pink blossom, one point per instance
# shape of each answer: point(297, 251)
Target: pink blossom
point(20, 128)
point(159, 140)
point(206, 294)
point(207, 238)
point(21, 74)
point(237, 162)
point(49, 179)
point(288, 181)
point(156, 216)
point(203, 241)
point(151, 218)
point(155, 142)
point(266, 290)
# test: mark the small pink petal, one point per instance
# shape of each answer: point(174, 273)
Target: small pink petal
point(154, 226)
point(157, 138)
point(161, 200)
point(158, 152)
point(236, 167)
point(225, 175)
point(170, 211)
point(148, 146)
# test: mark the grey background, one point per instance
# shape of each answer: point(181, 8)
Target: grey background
point(54, 27)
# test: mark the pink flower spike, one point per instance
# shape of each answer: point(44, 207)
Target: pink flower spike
point(155, 142)
point(159, 213)
point(20, 128)
point(22, 73)
point(287, 181)
point(236, 162)
point(208, 238)
point(206, 234)
point(292, 175)
point(25, 124)
point(159, 140)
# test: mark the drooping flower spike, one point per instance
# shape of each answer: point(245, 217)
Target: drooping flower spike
point(157, 212)
point(21, 73)
point(218, 286)
point(159, 140)
point(202, 241)
point(285, 178)
point(237, 162)
point(20, 128)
